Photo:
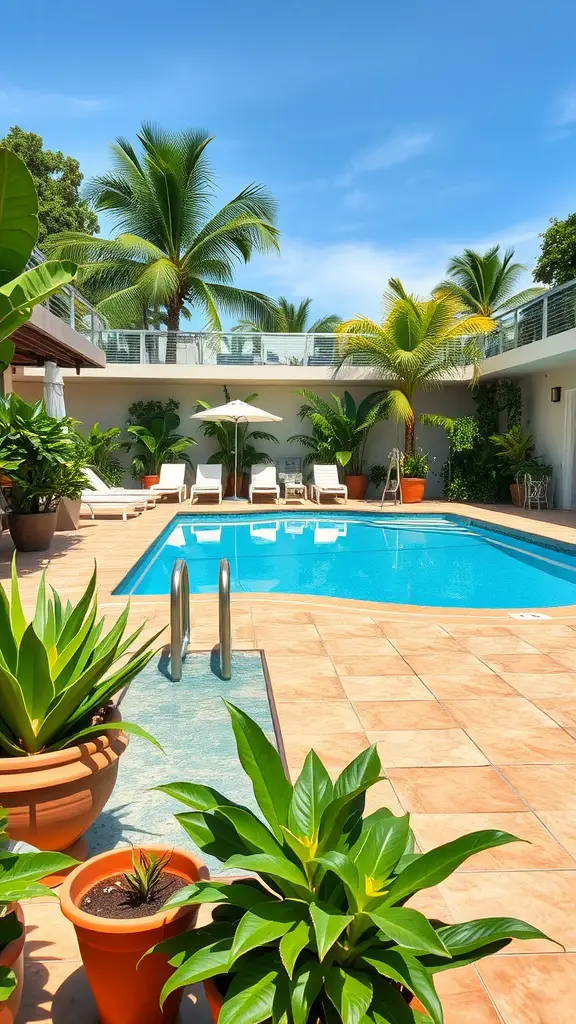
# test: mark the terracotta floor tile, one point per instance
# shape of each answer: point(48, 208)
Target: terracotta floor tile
point(280, 617)
point(520, 663)
point(465, 629)
point(561, 709)
point(361, 665)
point(312, 719)
point(431, 903)
point(383, 795)
point(447, 664)
point(535, 989)
point(288, 646)
point(562, 825)
point(534, 631)
point(385, 688)
point(533, 685)
point(464, 998)
point(544, 899)
point(300, 666)
point(525, 746)
point(396, 628)
point(426, 645)
point(539, 851)
point(330, 630)
point(505, 713)
point(49, 936)
point(454, 790)
point(459, 687)
point(418, 748)
point(545, 787)
point(409, 714)
point(317, 688)
point(336, 750)
point(374, 646)
point(488, 645)
point(554, 645)
point(565, 658)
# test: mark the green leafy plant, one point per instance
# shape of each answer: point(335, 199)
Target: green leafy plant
point(59, 671)
point(154, 439)
point(514, 448)
point(21, 289)
point(484, 282)
point(327, 935)
point(340, 431)
point(20, 878)
point(145, 877)
point(43, 456)
point(101, 448)
point(223, 432)
point(285, 317)
point(415, 464)
point(556, 263)
point(377, 475)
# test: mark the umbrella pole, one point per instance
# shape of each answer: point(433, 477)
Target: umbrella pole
point(235, 458)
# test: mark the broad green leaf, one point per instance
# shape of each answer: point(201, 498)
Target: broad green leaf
point(252, 830)
point(346, 871)
point(329, 924)
point(237, 894)
point(207, 962)
point(214, 835)
point(292, 944)
point(380, 846)
point(277, 866)
point(335, 816)
point(8, 648)
point(461, 938)
point(410, 929)
point(436, 865)
point(20, 870)
point(16, 611)
point(98, 730)
point(251, 995)
point(199, 798)
point(35, 285)
point(304, 989)
point(10, 928)
point(366, 768)
point(18, 215)
point(264, 924)
point(350, 992)
point(180, 947)
point(8, 982)
point(406, 970)
point(311, 795)
point(261, 762)
point(389, 1006)
point(33, 675)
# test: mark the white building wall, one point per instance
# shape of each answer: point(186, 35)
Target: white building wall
point(90, 400)
point(547, 421)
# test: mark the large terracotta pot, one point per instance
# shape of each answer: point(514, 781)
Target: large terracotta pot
point(112, 947)
point(51, 799)
point(12, 956)
point(413, 488)
point(148, 481)
point(215, 1000)
point(33, 532)
point(240, 491)
point(357, 485)
point(517, 493)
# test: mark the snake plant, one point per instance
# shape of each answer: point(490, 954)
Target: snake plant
point(327, 935)
point(58, 671)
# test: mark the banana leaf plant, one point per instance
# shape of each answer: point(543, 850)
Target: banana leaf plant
point(327, 934)
point(340, 431)
point(60, 670)
point(20, 878)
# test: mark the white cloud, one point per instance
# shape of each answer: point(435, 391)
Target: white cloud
point(395, 150)
point(31, 101)
point(565, 113)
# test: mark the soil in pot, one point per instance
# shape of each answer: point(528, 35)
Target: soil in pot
point(32, 532)
point(113, 898)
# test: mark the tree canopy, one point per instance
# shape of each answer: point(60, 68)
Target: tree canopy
point(57, 179)
point(557, 261)
point(287, 318)
point(484, 283)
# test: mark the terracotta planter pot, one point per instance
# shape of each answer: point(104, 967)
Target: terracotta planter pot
point(5, 481)
point(517, 493)
point(111, 947)
point(240, 491)
point(357, 486)
point(12, 956)
point(32, 532)
point(148, 481)
point(413, 488)
point(215, 1000)
point(51, 799)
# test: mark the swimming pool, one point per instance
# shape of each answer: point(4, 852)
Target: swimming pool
point(444, 561)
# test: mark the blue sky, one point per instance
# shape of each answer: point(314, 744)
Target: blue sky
point(392, 135)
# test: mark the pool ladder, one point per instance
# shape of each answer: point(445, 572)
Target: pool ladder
point(180, 618)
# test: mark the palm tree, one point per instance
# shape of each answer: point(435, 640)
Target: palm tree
point(420, 343)
point(340, 431)
point(284, 317)
point(484, 283)
point(173, 251)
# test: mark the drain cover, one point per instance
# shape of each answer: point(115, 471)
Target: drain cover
point(528, 615)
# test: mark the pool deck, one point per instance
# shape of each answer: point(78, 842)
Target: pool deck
point(474, 714)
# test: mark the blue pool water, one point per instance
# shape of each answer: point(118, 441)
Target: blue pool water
point(445, 561)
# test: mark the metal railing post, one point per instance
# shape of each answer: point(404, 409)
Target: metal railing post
point(545, 317)
point(224, 619)
point(179, 617)
point(515, 328)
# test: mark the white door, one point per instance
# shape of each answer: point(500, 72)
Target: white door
point(569, 453)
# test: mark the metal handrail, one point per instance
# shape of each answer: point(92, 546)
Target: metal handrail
point(179, 617)
point(224, 619)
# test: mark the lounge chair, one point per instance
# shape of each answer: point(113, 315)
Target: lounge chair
point(263, 481)
point(109, 505)
point(266, 532)
point(326, 482)
point(207, 535)
point(171, 480)
point(99, 489)
point(329, 533)
point(208, 481)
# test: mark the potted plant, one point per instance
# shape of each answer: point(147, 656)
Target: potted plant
point(414, 470)
point(59, 735)
point(154, 439)
point(340, 433)
point(326, 934)
point(102, 447)
point(516, 450)
point(45, 460)
point(20, 877)
point(224, 433)
point(116, 904)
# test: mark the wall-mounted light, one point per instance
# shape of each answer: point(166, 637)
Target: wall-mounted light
point(555, 394)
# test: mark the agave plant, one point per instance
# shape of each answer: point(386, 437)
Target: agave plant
point(327, 935)
point(59, 670)
point(20, 878)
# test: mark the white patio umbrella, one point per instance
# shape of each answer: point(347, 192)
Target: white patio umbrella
point(236, 412)
point(54, 390)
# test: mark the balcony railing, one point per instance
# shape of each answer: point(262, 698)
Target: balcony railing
point(552, 313)
point(71, 307)
point(212, 349)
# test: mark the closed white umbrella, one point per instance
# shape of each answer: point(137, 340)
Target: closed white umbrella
point(54, 390)
point(237, 412)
